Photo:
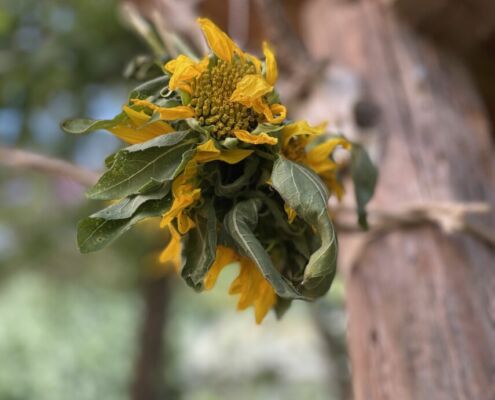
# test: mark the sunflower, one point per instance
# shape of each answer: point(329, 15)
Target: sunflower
point(235, 182)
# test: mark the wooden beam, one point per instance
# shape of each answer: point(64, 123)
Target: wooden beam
point(421, 305)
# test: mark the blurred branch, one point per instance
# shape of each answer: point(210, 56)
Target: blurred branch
point(291, 52)
point(168, 16)
point(448, 216)
point(20, 159)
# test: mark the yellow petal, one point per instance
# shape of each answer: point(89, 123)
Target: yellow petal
point(260, 138)
point(265, 301)
point(207, 152)
point(140, 118)
point(184, 71)
point(224, 256)
point(185, 194)
point(167, 114)
point(254, 290)
point(184, 223)
point(333, 184)
point(301, 128)
point(255, 61)
point(136, 131)
point(233, 156)
point(171, 253)
point(218, 41)
point(276, 114)
point(130, 135)
point(291, 213)
point(249, 89)
point(321, 153)
point(271, 64)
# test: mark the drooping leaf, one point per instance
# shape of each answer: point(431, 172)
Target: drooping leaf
point(199, 247)
point(95, 233)
point(303, 191)
point(364, 175)
point(81, 126)
point(135, 167)
point(240, 223)
point(126, 208)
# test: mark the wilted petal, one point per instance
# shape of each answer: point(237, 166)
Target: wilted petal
point(260, 138)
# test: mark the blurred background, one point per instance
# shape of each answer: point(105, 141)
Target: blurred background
point(96, 326)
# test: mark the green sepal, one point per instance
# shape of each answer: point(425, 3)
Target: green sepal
point(199, 247)
point(230, 143)
point(365, 176)
point(273, 97)
point(96, 233)
point(195, 126)
point(303, 191)
point(184, 97)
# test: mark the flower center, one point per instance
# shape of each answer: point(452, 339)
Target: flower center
point(211, 98)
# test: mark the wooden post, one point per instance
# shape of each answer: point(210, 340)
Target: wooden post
point(421, 305)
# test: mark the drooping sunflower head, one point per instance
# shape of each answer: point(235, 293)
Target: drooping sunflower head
point(228, 91)
point(214, 157)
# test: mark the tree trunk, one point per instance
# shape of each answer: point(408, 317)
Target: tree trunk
point(462, 24)
point(148, 381)
point(421, 305)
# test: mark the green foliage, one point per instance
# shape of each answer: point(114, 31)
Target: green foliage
point(365, 176)
point(305, 193)
point(160, 159)
point(94, 233)
point(240, 224)
point(199, 247)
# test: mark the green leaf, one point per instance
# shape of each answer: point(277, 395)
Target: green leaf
point(166, 140)
point(303, 191)
point(151, 88)
point(364, 175)
point(240, 223)
point(95, 233)
point(134, 169)
point(199, 247)
point(126, 208)
point(81, 126)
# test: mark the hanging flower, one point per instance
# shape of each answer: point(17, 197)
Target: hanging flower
point(214, 157)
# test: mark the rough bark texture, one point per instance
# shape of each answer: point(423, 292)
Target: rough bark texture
point(460, 23)
point(421, 305)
